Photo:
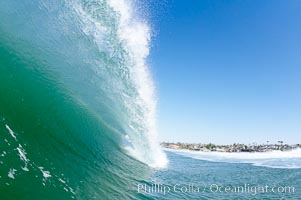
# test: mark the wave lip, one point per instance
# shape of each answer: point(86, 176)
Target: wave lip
point(135, 36)
point(273, 159)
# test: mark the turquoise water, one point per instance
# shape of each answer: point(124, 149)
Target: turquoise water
point(77, 111)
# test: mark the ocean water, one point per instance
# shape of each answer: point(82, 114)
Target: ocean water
point(77, 101)
point(192, 175)
point(78, 111)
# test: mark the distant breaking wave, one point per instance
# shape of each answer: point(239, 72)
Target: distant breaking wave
point(273, 159)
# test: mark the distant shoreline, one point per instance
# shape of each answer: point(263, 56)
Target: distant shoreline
point(236, 147)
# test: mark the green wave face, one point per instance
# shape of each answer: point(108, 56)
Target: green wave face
point(76, 101)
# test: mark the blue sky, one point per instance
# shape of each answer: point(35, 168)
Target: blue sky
point(227, 71)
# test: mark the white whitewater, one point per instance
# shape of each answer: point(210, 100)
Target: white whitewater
point(135, 36)
point(272, 159)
